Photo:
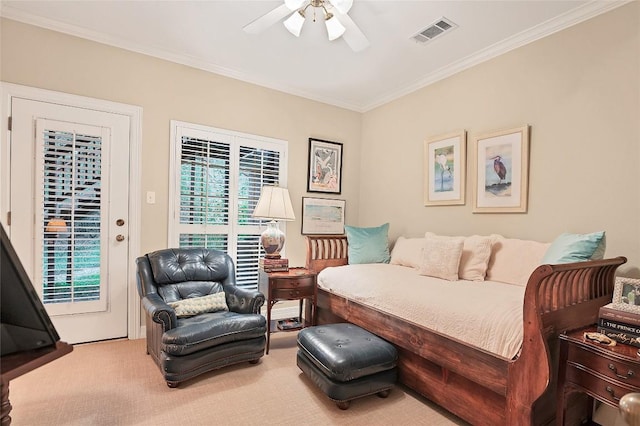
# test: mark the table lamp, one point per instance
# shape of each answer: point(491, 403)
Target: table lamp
point(274, 204)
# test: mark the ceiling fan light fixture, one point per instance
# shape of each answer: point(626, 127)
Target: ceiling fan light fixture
point(334, 28)
point(294, 23)
point(343, 6)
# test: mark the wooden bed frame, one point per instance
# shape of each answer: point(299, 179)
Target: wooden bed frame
point(478, 386)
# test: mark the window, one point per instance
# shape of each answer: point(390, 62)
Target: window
point(71, 172)
point(216, 180)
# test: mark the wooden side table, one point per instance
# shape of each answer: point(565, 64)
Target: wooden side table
point(605, 373)
point(17, 364)
point(295, 284)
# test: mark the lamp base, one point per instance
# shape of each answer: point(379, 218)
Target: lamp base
point(272, 240)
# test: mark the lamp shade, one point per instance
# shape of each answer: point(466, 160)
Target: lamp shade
point(294, 23)
point(334, 28)
point(275, 204)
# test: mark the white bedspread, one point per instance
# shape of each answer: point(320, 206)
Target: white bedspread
point(485, 314)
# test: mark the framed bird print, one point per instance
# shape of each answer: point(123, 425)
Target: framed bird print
point(325, 166)
point(444, 169)
point(501, 171)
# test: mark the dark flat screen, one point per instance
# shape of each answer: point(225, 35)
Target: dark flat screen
point(25, 324)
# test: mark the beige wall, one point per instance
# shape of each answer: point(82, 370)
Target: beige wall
point(579, 89)
point(36, 57)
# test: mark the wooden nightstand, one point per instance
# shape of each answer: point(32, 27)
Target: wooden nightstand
point(296, 284)
point(605, 373)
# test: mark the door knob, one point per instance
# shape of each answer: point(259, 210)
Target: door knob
point(120, 222)
point(119, 237)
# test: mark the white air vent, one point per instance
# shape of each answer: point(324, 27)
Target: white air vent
point(436, 29)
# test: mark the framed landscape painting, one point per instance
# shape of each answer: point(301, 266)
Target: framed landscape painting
point(325, 166)
point(322, 216)
point(501, 171)
point(444, 169)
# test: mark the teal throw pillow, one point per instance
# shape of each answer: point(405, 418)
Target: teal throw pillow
point(568, 248)
point(368, 245)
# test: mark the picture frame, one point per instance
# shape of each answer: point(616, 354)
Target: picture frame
point(445, 165)
point(324, 166)
point(501, 171)
point(322, 216)
point(626, 295)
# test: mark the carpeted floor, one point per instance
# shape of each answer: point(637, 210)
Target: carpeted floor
point(117, 383)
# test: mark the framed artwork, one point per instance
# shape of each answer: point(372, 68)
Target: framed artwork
point(322, 216)
point(325, 166)
point(501, 171)
point(444, 169)
point(626, 295)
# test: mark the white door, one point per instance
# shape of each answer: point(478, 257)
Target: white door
point(69, 214)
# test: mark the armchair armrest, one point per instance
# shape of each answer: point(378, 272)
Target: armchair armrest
point(159, 311)
point(243, 301)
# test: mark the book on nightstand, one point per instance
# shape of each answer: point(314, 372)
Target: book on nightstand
point(620, 336)
point(610, 312)
point(273, 265)
point(619, 325)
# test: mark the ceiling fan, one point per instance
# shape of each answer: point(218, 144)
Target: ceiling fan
point(335, 12)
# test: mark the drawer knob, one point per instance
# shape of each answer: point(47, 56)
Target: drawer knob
point(612, 393)
point(620, 376)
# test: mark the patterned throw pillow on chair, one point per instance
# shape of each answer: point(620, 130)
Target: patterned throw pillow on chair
point(199, 305)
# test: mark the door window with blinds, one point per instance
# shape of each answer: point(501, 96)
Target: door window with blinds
point(69, 220)
point(217, 176)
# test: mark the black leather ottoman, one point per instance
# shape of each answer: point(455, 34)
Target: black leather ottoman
point(347, 362)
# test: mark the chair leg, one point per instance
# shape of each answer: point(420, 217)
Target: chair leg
point(343, 405)
point(383, 394)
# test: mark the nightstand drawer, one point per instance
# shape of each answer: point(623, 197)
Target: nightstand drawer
point(292, 293)
point(294, 283)
point(619, 370)
point(604, 389)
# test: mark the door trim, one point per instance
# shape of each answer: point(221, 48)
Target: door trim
point(9, 91)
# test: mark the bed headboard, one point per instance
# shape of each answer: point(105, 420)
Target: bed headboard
point(326, 250)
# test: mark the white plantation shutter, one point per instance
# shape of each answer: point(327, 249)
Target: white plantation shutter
point(218, 179)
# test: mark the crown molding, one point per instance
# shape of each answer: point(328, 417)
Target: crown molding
point(14, 14)
point(561, 22)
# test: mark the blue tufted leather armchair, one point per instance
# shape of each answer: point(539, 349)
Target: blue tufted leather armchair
point(186, 347)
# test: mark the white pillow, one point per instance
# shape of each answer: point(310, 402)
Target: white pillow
point(475, 257)
point(407, 252)
point(512, 260)
point(199, 305)
point(441, 257)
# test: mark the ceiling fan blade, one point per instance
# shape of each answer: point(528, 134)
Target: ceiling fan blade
point(267, 20)
point(342, 6)
point(353, 36)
